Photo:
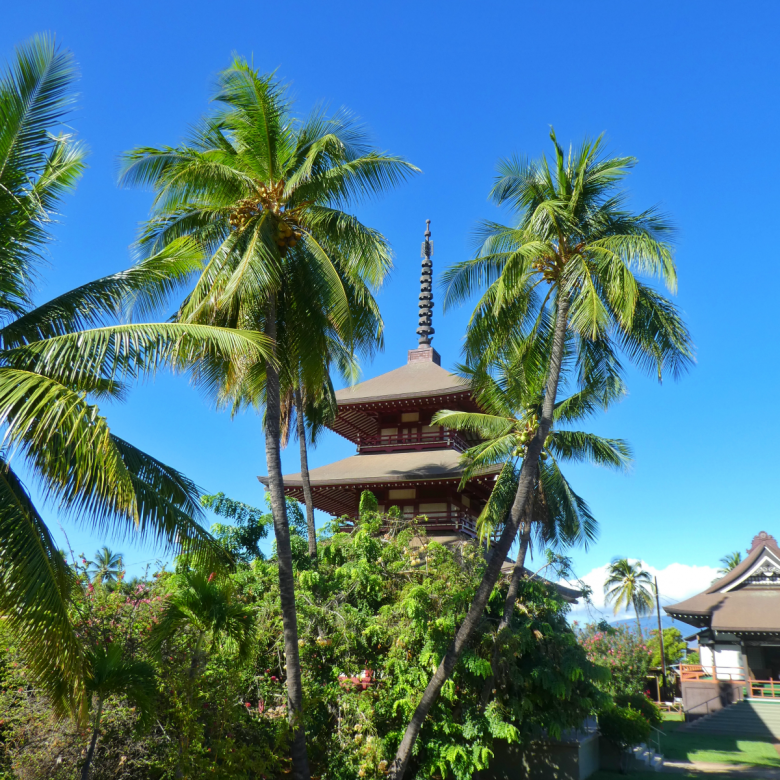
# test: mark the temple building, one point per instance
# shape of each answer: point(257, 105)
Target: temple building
point(738, 629)
point(402, 458)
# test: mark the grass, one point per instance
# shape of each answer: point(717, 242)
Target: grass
point(673, 716)
point(716, 749)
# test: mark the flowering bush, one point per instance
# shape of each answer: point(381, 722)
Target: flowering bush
point(621, 651)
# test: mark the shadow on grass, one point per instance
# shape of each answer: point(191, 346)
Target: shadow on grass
point(654, 776)
point(679, 745)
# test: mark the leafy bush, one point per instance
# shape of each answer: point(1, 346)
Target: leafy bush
point(623, 726)
point(639, 702)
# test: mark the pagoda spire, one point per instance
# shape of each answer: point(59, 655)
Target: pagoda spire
point(425, 329)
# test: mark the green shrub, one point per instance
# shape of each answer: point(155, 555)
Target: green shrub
point(639, 702)
point(623, 726)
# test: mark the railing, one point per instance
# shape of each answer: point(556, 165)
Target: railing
point(764, 689)
point(448, 521)
point(657, 738)
point(754, 689)
point(692, 672)
point(413, 440)
point(723, 673)
point(454, 522)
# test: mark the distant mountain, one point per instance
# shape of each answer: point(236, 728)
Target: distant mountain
point(650, 623)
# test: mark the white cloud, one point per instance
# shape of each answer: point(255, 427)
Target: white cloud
point(676, 582)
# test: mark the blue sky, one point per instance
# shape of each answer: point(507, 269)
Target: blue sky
point(691, 89)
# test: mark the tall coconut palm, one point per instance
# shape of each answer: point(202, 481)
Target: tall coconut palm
point(106, 567)
point(629, 585)
point(109, 673)
point(575, 237)
point(265, 195)
point(56, 360)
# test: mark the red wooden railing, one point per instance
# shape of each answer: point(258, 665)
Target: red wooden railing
point(413, 440)
point(761, 689)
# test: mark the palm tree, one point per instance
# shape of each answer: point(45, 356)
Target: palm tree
point(106, 567)
point(575, 237)
point(56, 361)
point(729, 562)
point(509, 396)
point(629, 585)
point(206, 611)
point(265, 194)
point(108, 673)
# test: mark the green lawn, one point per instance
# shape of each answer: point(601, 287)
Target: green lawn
point(679, 745)
point(673, 716)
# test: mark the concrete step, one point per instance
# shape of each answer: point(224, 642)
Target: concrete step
point(745, 718)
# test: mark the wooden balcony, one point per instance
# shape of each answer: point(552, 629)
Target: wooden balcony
point(417, 440)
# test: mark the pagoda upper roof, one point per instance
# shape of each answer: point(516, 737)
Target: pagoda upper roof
point(745, 600)
point(412, 381)
point(422, 382)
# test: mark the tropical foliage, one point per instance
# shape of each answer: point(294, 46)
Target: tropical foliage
point(729, 562)
point(622, 652)
point(675, 647)
point(374, 615)
point(222, 667)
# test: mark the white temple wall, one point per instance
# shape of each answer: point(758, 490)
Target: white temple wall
point(728, 661)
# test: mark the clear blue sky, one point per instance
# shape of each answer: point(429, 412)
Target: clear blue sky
point(691, 89)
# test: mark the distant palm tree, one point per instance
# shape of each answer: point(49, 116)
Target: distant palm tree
point(729, 562)
point(629, 585)
point(108, 673)
point(106, 567)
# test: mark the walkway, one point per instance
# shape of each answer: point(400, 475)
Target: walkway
point(735, 770)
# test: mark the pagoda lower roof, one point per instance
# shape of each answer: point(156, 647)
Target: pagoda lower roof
point(388, 468)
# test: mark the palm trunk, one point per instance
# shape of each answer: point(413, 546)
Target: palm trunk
point(93, 742)
point(509, 608)
point(528, 475)
point(300, 761)
point(305, 475)
point(638, 624)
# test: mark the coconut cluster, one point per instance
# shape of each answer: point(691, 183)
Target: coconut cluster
point(526, 434)
point(547, 268)
point(269, 199)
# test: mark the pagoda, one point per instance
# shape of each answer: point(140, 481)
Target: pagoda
point(402, 458)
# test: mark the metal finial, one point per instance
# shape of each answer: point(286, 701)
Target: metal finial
point(425, 329)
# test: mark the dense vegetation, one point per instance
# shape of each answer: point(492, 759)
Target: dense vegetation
point(376, 613)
